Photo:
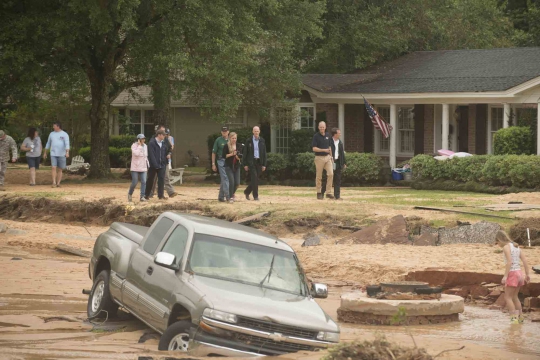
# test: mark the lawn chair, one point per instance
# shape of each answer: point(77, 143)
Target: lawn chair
point(76, 163)
point(175, 175)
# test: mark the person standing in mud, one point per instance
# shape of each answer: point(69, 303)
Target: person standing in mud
point(157, 157)
point(6, 143)
point(58, 143)
point(513, 278)
point(169, 143)
point(323, 160)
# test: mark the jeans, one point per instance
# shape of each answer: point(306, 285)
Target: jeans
point(135, 176)
point(160, 173)
point(234, 179)
point(224, 186)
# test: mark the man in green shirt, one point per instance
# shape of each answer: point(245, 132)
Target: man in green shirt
point(217, 157)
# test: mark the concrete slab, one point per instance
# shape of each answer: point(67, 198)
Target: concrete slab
point(360, 302)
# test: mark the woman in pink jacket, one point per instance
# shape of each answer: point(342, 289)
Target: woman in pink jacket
point(139, 166)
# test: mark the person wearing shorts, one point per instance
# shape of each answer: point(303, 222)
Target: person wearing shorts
point(33, 147)
point(513, 278)
point(58, 143)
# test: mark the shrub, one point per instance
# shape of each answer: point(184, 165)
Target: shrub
point(243, 135)
point(363, 168)
point(514, 140)
point(300, 141)
point(277, 166)
point(119, 157)
point(122, 141)
point(303, 166)
point(518, 171)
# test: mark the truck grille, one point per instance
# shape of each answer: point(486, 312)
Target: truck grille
point(277, 328)
point(263, 344)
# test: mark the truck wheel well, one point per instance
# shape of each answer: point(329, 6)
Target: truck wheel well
point(102, 264)
point(179, 313)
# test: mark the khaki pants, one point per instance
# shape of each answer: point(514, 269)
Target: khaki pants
point(324, 163)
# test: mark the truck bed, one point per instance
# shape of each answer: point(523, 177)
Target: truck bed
point(134, 233)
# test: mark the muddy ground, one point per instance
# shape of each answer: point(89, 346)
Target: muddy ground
point(43, 311)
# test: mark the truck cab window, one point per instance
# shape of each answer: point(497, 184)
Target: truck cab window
point(176, 244)
point(156, 235)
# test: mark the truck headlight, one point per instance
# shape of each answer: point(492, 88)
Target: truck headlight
point(328, 336)
point(220, 316)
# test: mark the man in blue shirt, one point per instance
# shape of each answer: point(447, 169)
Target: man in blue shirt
point(58, 143)
point(254, 159)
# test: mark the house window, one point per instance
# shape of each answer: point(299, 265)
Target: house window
point(239, 121)
point(282, 139)
point(307, 117)
point(406, 130)
point(284, 119)
point(149, 129)
point(382, 143)
point(134, 122)
point(496, 122)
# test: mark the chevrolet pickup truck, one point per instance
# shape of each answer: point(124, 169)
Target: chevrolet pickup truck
point(209, 287)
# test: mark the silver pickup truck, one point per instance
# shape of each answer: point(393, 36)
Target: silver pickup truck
point(209, 287)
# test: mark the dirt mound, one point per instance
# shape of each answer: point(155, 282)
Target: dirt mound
point(518, 232)
point(389, 231)
point(103, 212)
point(380, 348)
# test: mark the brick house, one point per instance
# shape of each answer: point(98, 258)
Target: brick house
point(434, 100)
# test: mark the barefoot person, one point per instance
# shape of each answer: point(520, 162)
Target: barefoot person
point(6, 143)
point(323, 160)
point(33, 147)
point(58, 143)
point(139, 166)
point(513, 278)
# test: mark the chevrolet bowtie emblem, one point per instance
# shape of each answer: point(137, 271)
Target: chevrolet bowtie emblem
point(276, 337)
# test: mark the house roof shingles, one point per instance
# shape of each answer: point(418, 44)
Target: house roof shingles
point(437, 71)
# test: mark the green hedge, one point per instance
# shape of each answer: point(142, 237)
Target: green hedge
point(116, 141)
point(119, 157)
point(519, 171)
point(300, 141)
point(362, 168)
point(278, 166)
point(515, 140)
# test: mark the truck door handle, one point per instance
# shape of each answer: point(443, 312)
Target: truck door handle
point(150, 270)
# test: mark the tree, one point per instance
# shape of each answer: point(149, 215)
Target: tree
point(360, 33)
point(525, 16)
point(216, 52)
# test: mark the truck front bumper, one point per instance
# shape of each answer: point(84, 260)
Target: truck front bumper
point(218, 338)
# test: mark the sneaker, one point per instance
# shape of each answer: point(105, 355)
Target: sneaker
point(514, 320)
point(130, 198)
point(231, 200)
point(329, 196)
point(143, 199)
point(521, 319)
point(320, 196)
point(221, 200)
point(146, 198)
point(53, 185)
point(173, 194)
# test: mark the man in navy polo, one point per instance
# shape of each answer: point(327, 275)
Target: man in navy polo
point(323, 160)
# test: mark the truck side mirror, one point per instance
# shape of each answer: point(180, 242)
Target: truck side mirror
point(167, 261)
point(319, 291)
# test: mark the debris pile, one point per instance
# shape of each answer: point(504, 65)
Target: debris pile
point(518, 232)
point(388, 231)
point(379, 348)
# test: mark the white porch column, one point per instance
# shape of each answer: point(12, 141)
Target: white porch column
point(538, 129)
point(341, 120)
point(445, 125)
point(506, 118)
point(393, 136)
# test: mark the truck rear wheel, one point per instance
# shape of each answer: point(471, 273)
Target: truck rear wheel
point(100, 302)
point(176, 338)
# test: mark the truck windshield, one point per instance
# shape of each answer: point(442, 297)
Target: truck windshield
point(246, 263)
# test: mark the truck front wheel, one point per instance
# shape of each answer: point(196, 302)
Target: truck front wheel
point(176, 337)
point(100, 302)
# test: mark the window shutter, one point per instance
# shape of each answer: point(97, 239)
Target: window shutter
point(418, 129)
point(481, 128)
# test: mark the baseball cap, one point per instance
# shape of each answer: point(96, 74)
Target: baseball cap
point(224, 128)
point(2, 133)
point(167, 131)
point(141, 136)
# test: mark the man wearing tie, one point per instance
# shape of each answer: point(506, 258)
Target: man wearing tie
point(254, 161)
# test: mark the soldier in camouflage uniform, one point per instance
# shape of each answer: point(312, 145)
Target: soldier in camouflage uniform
point(6, 143)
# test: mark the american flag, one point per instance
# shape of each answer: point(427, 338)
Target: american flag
point(377, 120)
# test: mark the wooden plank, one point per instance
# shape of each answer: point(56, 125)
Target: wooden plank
point(73, 251)
point(252, 218)
point(461, 212)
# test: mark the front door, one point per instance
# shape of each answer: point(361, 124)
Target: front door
point(463, 133)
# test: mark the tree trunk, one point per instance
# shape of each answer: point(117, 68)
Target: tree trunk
point(162, 100)
point(99, 129)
